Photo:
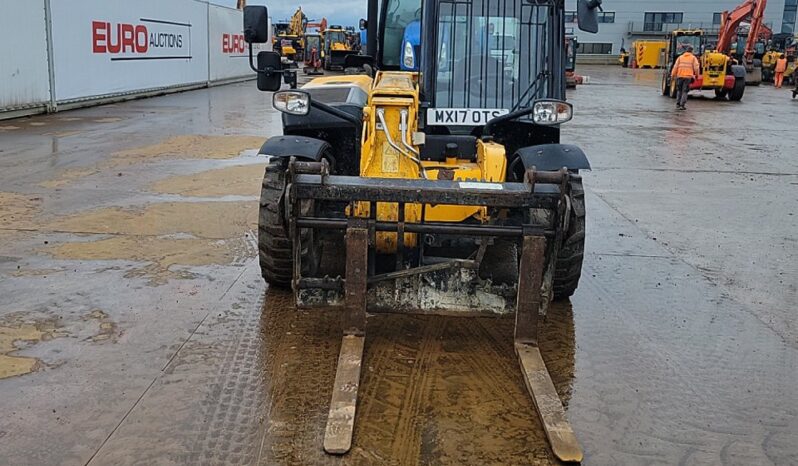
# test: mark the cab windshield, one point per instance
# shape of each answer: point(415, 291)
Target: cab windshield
point(491, 53)
point(683, 42)
point(334, 37)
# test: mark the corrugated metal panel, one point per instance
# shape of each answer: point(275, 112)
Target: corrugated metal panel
point(24, 80)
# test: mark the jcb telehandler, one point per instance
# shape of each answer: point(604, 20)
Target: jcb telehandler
point(444, 191)
point(719, 72)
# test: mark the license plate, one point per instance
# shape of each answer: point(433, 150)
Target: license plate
point(463, 116)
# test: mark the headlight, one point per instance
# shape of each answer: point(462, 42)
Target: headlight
point(552, 112)
point(409, 60)
point(292, 102)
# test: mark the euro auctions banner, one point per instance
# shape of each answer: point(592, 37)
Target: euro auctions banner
point(104, 47)
point(228, 53)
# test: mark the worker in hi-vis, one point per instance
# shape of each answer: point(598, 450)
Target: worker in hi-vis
point(685, 70)
point(781, 67)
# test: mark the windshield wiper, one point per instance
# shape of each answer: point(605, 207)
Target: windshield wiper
point(533, 84)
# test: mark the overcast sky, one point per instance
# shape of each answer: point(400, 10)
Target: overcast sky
point(343, 12)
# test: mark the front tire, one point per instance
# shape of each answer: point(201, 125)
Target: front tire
point(568, 268)
point(736, 93)
point(275, 246)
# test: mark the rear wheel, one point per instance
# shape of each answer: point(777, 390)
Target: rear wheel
point(673, 88)
point(568, 269)
point(721, 93)
point(736, 93)
point(666, 85)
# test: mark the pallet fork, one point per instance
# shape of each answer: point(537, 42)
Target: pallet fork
point(359, 238)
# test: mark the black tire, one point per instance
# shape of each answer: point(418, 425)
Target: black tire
point(274, 246)
point(721, 94)
point(673, 91)
point(368, 70)
point(568, 269)
point(500, 263)
point(665, 85)
point(736, 94)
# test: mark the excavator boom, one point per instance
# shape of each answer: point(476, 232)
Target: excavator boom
point(750, 10)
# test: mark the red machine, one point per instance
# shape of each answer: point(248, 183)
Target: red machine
point(752, 11)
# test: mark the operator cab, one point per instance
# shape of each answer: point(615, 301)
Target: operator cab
point(483, 59)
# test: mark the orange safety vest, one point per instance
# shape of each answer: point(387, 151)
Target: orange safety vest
point(686, 66)
point(781, 65)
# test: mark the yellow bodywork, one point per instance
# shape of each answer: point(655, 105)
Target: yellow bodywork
point(392, 93)
point(769, 62)
point(713, 69)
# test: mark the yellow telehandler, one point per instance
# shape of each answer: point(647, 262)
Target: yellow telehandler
point(444, 191)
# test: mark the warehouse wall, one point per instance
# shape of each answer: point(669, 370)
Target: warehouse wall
point(107, 50)
point(227, 52)
point(24, 81)
point(629, 17)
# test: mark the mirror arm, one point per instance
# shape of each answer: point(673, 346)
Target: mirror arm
point(266, 71)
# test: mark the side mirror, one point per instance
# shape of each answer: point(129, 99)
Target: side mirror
point(256, 24)
point(269, 71)
point(364, 24)
point(587, 16)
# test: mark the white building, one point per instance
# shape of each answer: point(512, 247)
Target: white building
point(624, 21)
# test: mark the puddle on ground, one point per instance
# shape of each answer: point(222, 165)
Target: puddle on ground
point(15, 334)
point(66, 177)
point(17, 210)
point(240, 180)
point(163, 255)
point(41, 273)
point(189, 147)
point(177, 147)
point(210, 220)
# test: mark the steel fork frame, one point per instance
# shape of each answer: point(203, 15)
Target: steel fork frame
point(360, 236)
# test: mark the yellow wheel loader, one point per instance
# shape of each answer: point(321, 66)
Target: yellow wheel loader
point(445, 191)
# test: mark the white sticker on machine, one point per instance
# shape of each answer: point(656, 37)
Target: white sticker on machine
point(471, 185)
point(463, 116)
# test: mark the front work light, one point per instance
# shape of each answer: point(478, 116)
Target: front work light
point(293, 102)
point(552, 112)
point(409, 58)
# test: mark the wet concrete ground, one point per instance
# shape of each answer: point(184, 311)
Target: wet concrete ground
point(135, 328)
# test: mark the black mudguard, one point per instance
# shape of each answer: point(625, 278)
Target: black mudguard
point(301, 147)
point(549, 157)
point(357, 61)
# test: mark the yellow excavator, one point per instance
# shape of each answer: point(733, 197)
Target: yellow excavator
point(439, 191)
point(288, 40)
